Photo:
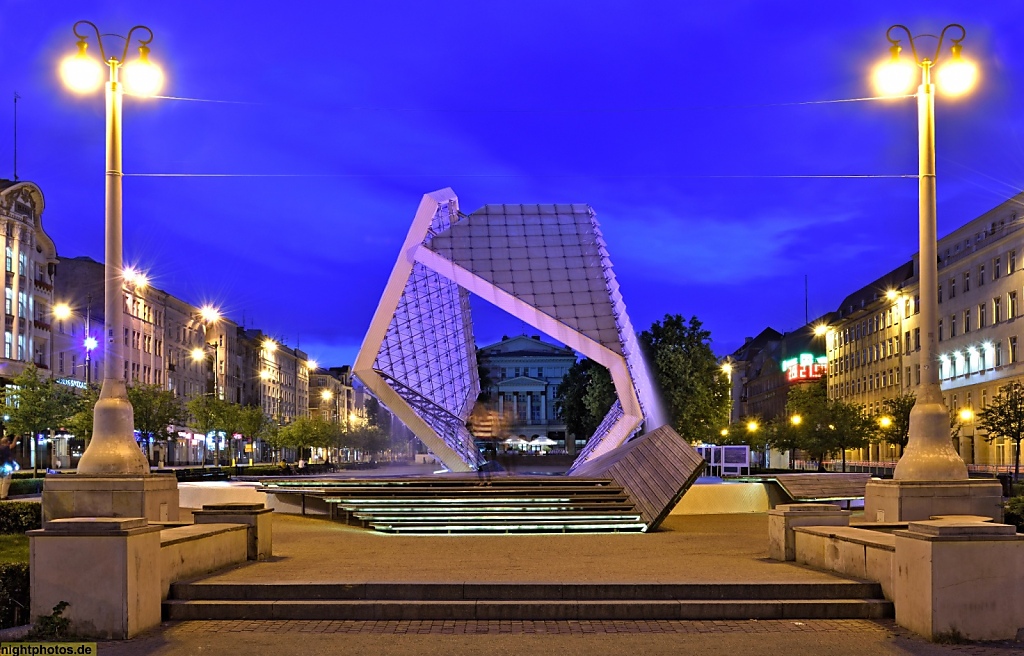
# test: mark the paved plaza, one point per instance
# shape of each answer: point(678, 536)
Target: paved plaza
point(690, 549)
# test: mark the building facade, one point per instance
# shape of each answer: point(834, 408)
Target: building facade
point(874, 343)
point(30, 265)
point(518, 392)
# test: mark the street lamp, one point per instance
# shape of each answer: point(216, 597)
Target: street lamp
point(210, 315)
point(967, 417)
point(112, 449)
point(929, 455)
point(63, 312)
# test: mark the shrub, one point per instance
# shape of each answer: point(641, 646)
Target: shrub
point(1014, 512)
point(262, 470)
point(20, 516)
point(21, 486)
point(14, 594)
point(1018, 490)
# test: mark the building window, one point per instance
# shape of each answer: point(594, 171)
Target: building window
point(940, 330)
point(940, 293)
point(952, 287)
point(906, 342)
point(967, 281)
point(917, 304)
point(999, 354)
point(917, 339)
point(997, 310)
point(917, 375)
point(995, 267)
point(1013, 348)
point(967, 320)
point(981, 275)
point(952, 326)
point(981, 315)
point(1011, 305)
point(1011, 262)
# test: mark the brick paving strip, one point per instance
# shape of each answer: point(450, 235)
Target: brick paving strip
point(530, 627)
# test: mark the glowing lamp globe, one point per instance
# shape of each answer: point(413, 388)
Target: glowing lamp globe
point(957, 77)
point(81, 73)
point(91, 343)
point(142, 77)
point(895, 77)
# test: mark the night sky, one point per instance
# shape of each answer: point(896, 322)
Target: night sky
point(668, 119)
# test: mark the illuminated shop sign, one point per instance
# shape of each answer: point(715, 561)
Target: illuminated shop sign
point(71, 382)
point(805, 367)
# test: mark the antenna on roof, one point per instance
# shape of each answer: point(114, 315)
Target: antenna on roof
point(16, 97)
point(807, 318)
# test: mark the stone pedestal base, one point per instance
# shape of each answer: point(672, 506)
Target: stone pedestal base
point(106, 568)
point(153, 496)
point(960, 577)
point(908, 501)
point(782, 520)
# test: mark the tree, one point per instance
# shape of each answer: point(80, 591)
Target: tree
point(315, 432)
point(1004, 418)
point(80, 423)
point(212, 414)
point(576, 404)
point(39, 404)
point(254, 424)
point(370, 439)
point(693, 387)
point(827, 425)
point(155, 409)
point(897, 409)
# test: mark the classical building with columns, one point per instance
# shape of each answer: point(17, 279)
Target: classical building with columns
point(523, 373)
point(29, 264)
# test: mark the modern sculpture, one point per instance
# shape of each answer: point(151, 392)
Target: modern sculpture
point(548, 266)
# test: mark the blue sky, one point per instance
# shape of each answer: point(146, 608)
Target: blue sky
point(642, 110)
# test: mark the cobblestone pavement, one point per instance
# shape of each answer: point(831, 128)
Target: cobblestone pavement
point(452, 638)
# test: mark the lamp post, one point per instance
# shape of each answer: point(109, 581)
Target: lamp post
point(967, 417)
point(929, 455)
point(112, 449)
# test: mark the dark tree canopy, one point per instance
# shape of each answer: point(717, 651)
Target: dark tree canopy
point(583, 397)
point(1004, 418)
point(693, 387)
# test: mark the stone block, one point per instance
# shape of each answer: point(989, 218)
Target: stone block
point(960, 576)
point(255, 516)
point(782, 520)
point(903, 501)
point(107, 569)
point(153, 496)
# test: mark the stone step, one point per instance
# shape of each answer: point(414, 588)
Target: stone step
point(523, 591)
point(609, 609)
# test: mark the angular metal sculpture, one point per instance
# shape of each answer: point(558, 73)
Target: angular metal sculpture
point(547, 265)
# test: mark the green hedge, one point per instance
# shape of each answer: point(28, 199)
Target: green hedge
point(20, 516)
point(14, 595)
point(262, 470)
point(1014, 513)
point(21, 486)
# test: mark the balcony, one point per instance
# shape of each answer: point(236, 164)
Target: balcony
point(44, 286)
point(41, 325)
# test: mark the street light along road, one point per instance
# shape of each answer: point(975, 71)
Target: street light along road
point(112, 449)
point(929, 455)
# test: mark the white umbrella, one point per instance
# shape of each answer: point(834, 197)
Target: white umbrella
point(515, 441)
point(542, 441)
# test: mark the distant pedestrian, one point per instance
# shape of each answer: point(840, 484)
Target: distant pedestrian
point(7, 465)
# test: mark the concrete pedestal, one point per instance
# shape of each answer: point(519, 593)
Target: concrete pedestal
point(255, 516)
point(960, 577)
point(908, 501)
point(153, 496)
point(781, 520)
point(106, 568)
